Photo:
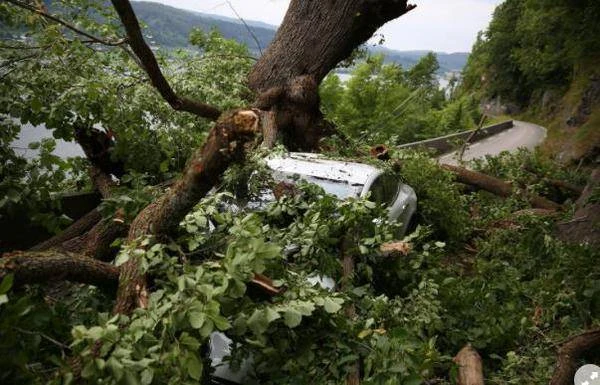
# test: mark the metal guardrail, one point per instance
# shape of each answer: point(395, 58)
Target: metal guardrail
point(452, 142)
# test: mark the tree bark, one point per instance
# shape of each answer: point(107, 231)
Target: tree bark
point(313, 38)
point(470, 371)
point(498, 187)
point(40, 267)
point(96, 243)
point(225, 145)
point(77, 228)
point(570, 352)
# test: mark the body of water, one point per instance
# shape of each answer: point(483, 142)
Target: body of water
point(30, 134)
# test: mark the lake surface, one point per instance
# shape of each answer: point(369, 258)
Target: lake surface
point(30, 134)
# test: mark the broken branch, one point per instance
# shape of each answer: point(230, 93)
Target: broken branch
point(498, 187)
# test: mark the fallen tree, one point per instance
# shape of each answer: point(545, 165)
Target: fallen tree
point(498, 187)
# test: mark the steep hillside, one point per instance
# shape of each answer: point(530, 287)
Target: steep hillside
point(573, 119)
point(540, 59)
point(170, 27)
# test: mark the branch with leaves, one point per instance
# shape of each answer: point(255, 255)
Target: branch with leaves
point(42, 12)
point(150, 65)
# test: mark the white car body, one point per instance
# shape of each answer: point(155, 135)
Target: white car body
point(342, 179)
point(349, 179)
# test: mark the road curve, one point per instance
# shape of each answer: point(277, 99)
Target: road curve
point(522, 134)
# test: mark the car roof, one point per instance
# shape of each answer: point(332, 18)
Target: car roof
point(319, 167)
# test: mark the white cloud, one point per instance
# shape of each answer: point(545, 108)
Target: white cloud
point(438, 25)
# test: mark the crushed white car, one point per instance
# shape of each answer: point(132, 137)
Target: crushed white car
point(344, 180)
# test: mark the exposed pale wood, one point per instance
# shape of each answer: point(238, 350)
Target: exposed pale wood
point(470, 368)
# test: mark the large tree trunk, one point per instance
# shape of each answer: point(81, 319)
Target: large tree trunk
point(313, 38)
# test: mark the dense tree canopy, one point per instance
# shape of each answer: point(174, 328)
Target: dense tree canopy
point(533, 45)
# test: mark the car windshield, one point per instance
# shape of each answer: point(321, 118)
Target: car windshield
point(340, 189)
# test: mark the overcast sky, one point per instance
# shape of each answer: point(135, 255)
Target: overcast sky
point(438, 25)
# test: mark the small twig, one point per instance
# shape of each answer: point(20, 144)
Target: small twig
point(461, 153)
point(247, 27)
point(16, 60)
point(575, 220)
point(57, 343)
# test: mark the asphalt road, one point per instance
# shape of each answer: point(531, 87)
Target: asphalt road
point(523, 134)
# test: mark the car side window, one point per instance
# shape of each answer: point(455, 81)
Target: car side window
point(384, 190)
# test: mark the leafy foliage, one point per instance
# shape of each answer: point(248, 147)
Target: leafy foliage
point(531, 46)
point(383, 103)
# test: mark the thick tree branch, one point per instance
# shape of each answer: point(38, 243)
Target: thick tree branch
point(498, 186)
point(224, 146)
point(77, 228)
point(146, 56)
point(41, 267)
point(569, 352)
point(42, 12)
point(97, 242)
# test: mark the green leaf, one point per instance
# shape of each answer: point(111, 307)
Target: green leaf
point(292, 318)
point(194, 367)
point(258, 322)
point(3, 299)
point(6, 283)
point(221, 322)
point(189, 341)
point(271, 315)
point(147, 375)
point(196, 319)
point(88, 370)
point(413, 380)
point(332, 305)
point(131, 378)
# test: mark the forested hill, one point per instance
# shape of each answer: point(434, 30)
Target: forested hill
point(542, 58)
point(170, 27)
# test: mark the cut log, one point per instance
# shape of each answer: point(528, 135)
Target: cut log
point(498, 187)
point(392, 249)
point(470, 369)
